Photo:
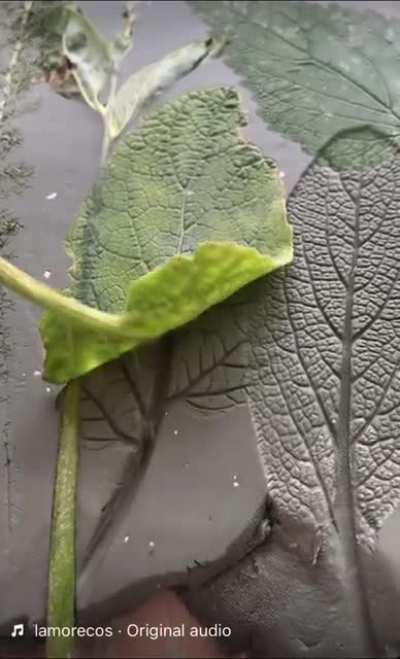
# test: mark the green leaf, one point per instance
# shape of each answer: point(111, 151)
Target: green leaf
point(91, 54)
point(315, 70)
point(186, 213)
point(150, 80)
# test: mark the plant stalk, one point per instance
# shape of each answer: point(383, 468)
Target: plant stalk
point(49, 298)
point(62, 564)
point(107, 141)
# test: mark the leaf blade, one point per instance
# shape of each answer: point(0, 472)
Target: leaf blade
point(315, 70)
point(190, 195)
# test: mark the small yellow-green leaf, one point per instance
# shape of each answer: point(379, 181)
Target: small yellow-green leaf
point(186, 213)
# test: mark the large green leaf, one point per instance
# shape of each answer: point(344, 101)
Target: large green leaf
point(186, 213)
point(315, 70)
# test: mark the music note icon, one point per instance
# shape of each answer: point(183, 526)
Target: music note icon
point(18, 630)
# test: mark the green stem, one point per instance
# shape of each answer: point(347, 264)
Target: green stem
point(61, 585)
point(105, 147)
point(41, 294)
point(107, 141)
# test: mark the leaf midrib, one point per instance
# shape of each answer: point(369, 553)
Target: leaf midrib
point(345, 502)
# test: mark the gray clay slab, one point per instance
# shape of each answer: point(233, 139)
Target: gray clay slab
point(187, 505)
point(187, 510)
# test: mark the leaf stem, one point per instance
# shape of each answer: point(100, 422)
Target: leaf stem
point(105, 145)
point(61, 583)
point(107, 141)
point(49, 298)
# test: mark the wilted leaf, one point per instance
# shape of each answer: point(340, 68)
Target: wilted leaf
point(91, 54)
point(315, 69)
point(152, 238)
point(123, 41)
point(54, 18)
point(94, 60)
point(150, 80)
